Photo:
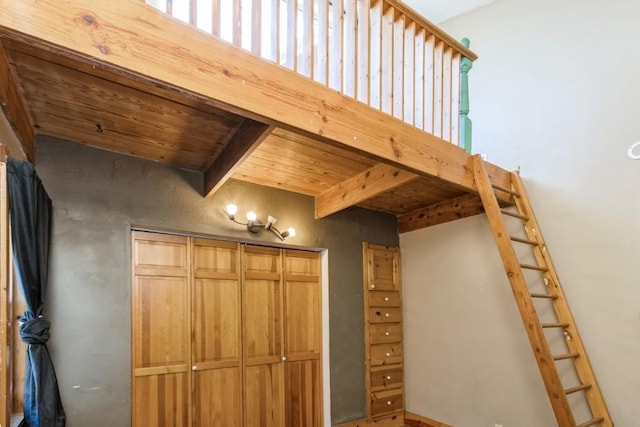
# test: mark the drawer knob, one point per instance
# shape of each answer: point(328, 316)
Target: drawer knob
point(194, 368)
point(387, 333)
point(386, 315)
point(386, 298)
point(389, 402)
point(284, 358)
point(372, 286)
point(388, 377)
point(388, 354)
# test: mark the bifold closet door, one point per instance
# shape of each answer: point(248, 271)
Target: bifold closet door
point(262, 337)
point(161, 341)
point(303, 338)
point(217, 362)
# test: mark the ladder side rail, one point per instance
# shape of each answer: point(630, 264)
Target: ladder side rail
point(544, 359)
point(561, 307)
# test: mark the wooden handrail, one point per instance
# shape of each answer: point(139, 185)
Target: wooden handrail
point(380, 52)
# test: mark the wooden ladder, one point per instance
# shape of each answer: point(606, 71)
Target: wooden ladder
point(535, 284)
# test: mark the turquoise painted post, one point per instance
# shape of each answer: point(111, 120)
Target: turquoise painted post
point(465, 121)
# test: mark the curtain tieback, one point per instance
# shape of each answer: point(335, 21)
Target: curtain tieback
point(34, 331)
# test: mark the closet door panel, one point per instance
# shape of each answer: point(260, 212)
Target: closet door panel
point(161, 400)
point(217, 363)
point(264, 396)
point(161, 343)
point(303, 393)
point(217, 397)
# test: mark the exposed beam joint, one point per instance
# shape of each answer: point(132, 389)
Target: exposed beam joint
point(449, 210)
point(244, 141)
point(365, 185)
point(16, 131)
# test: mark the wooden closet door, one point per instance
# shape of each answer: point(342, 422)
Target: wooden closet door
point(262, 337)
point(217, 364)
point(161, 346)
point(303, 339)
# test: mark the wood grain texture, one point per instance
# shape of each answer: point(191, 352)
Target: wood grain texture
point(14, 109)
point(367, 184)
point(5, 302)
point(241, 145)
point(394, 420)
point(127, 35)
point(10, 140)
point(448, 210)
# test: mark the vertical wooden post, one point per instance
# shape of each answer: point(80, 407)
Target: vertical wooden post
point(5, 378)
point(465, 121)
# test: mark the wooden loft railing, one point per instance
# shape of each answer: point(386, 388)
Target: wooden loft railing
point(379, 52)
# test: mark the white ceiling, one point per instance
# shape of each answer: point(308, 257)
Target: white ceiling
point(438, 11)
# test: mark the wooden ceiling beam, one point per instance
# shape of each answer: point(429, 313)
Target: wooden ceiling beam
point(365, 185)
point(243, 142)
point(132, 38)
point(449, 210)
point(16, 130)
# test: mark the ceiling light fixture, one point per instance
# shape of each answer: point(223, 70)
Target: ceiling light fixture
point(254, 226)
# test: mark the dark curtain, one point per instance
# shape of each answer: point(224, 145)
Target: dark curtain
point(30, 208)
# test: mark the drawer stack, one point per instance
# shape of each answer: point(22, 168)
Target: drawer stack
point(383, 332)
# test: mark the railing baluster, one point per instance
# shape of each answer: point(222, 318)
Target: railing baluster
point(321, 63)
point(446, 94)
point(215, 18)
point(256, 26)
point(305, 61)
point(237, 23)
point(336, 43)
point(437, 88)
point(350, 57)
point(193, 12)
point(292, 34)
point(455, 98)
point(429, 79)
point(419, 79)
point(386, 92)
point(375, 68)
point(363, 40)
point(465, 121)
point(409, 72)
point(398, 66)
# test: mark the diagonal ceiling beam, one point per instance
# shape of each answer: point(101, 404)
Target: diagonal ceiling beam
point(449, 210)
point(244, 141)
point(15, 114)
point(365, 185)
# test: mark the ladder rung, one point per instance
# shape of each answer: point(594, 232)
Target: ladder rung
point(591, 422)
point(515, 214)
point(577, 388)
point(525, 241)
point(554, 325)
point(505, 190)
point(533, 295)
point(566, 356)
point(533, 267)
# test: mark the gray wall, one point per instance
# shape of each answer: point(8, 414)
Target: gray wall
point(97, 196)
point(556, 91)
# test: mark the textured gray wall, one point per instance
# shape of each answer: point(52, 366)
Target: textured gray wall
point(98, 196)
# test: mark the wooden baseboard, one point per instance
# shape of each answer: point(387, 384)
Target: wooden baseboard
point(390, 421)
point(415, 420)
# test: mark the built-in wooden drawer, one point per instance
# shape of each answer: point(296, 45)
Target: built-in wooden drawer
point(386, 354)
point(385, 333)
point(385, 315)
point(386, 377)
point(384, 299)
point(386, 402)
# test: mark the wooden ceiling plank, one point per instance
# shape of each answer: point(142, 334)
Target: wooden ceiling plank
point(244, 141)
point(15, 113)
point(378, 179)
point(449, 210)
point(134, 38)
